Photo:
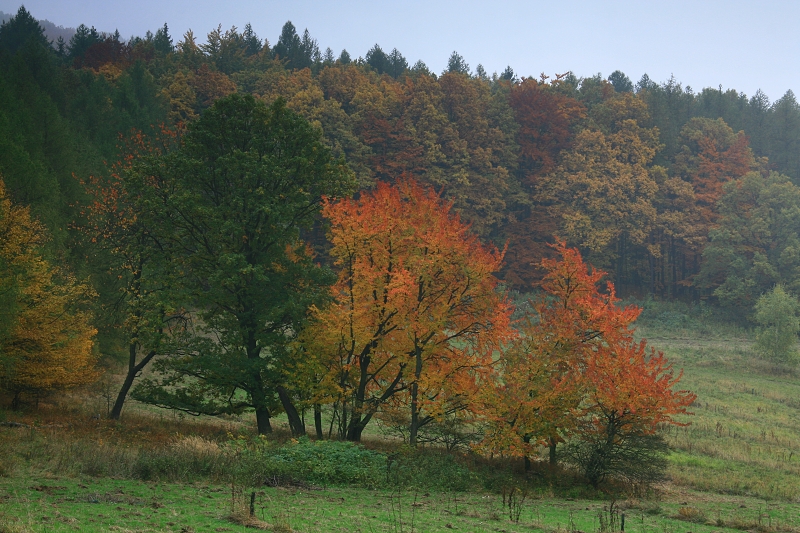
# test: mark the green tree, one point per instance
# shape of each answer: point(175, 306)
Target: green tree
point(457, 64)
point(297, 52)
point(621, 82)
point(162, 41)
point(231, 203)
point(251, 41)
point(784, 136)
point(19, 30)
point(756, 243)
point(777, 314)
point(397, 63)
point(80, 42)
point(132, 279)
point(377, 59)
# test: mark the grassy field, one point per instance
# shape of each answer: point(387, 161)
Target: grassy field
point(736, 467)
point(52, 503)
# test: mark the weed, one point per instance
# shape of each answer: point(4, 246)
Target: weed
point(514, 498)
point(691, 514)
point(609, 518)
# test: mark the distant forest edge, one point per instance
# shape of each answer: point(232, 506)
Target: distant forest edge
point(677, 194)
point(51, 30)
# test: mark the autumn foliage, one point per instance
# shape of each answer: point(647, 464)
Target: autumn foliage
point(576, 369)
point(47, 340)
point(417, 317)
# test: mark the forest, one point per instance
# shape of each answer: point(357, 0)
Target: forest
point(251, 226)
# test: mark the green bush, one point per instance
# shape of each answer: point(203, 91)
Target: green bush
point(430, 469)
point(304, 461)
point(776, 312)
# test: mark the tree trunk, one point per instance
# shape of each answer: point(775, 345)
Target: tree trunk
point(414, 429)
point(553, 458)
point(133, 370)
point(257, 393)
point(15, 401)
point(262, 420)
point(356, 426)
point(116, 411)
point(527, 460)
point(318, 421)
point(295, 422)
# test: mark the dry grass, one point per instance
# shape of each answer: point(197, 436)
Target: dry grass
point(243, 518)
point(196, 445)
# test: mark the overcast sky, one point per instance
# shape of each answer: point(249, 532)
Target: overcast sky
point(744, 45)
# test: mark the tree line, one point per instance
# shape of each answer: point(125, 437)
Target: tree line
point(508, 151)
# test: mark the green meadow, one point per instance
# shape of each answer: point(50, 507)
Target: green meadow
point(734, 466)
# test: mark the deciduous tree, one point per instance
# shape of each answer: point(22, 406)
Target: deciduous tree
point(136, 301)
point(230, 203)
point(542, 374)
point(630, 391)
point(417, 315)
point(47, 345)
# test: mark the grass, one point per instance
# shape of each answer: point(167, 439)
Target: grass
point(736, 467)
point(744, 436)
point(47, 503)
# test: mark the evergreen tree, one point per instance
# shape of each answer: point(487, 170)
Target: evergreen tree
point(377, 59)
point(297, 53)
point(645, 84)
point(310, 50)
point(21, 29)
point(83, 39)
point(621, 82)
point(457, 64)
point(397, 64)
point(162, 41)
point(508, 74)
point(327, 57)
point(420, 68)
point(252, 43)
point(784, 136)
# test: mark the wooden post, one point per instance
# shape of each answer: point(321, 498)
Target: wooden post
point(253, 506)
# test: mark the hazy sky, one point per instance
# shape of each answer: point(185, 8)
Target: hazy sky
point(745, 45)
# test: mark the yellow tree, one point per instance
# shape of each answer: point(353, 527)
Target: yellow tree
point(48, 338)
point(605, 188)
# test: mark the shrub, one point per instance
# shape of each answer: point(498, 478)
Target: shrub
point(636, 459)
point(303, 461)
point(776, 313)
point(430, 469)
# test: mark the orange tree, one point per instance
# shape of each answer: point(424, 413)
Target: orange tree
point(629, 392)
point(417, 315)
point(575, 372)
point(542, 384)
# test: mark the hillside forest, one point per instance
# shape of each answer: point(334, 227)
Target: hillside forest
point(266, 226)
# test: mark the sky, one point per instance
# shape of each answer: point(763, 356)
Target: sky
point(743, 45)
